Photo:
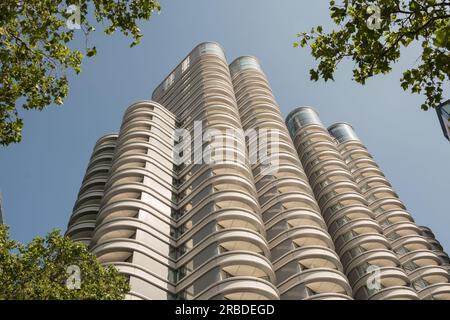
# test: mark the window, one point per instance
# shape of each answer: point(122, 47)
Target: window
point(349, 235)
point(244, 63)
point(172, 276)
point(420, 284)
point(341, 221)
point(393, 236)
point(211, 48)
point(363, 268)
point(385, 223)
point(354, 252)
point(185, 64)
point(410, 266)
point(169, 81)
point(402, 250)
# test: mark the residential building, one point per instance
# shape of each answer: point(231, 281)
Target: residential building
point(205, 193)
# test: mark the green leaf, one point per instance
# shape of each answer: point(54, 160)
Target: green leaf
point(91, 52)
point(40, 269)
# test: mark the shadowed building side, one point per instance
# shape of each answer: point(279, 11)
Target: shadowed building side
point(82, 222)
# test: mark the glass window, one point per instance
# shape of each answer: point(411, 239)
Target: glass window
point(302, 117)
point(348, 235)
point(169, 81)
point(401, 250)
point(410, 266)
point(244, 63)
point(343, 132)
point(211, 48)
point(420, 284)
point(354, 252)
point(185, 64)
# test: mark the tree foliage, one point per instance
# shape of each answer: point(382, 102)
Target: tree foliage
point(46, 269)
point(372, 34)
point(35, 53)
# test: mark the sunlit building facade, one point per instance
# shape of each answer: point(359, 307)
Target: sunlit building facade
point(373, 233)
point(159, 201)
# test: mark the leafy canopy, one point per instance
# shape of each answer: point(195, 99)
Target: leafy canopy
point(372, 34)
point(48, 268)
point(34, 51)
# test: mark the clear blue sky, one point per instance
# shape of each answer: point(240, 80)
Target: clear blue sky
point(40, 177)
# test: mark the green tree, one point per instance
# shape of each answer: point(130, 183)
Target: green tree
point(372, 34)
point(55, 267)
point(35, 54)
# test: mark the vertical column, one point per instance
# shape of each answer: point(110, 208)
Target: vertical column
point(221, 248)
point(371, 267)
point(302, 251)
point(416, 255)
point(82, 222)
point(134, 223)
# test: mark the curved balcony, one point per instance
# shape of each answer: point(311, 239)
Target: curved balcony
point(240, 288)
point(313, 283)
point(359, 265)
point(121, 249)
point(230, 240)
point(308, 257)
point(420, 258)
point(82, 230)
point(388, 283)
point(84, 213)
point(440, 291)
point(395, 293)
point(414, 251)
point(148, 279)
point(294, 217)
point(304, 236)
point(237, 263)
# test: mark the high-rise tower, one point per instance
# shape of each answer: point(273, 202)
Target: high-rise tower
point(412, 246)
point(357, 235)
point(302, 251)
point(203, 194)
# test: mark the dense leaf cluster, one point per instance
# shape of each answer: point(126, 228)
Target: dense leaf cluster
point(34, 51)
point(374, 50)
point(40, 270)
